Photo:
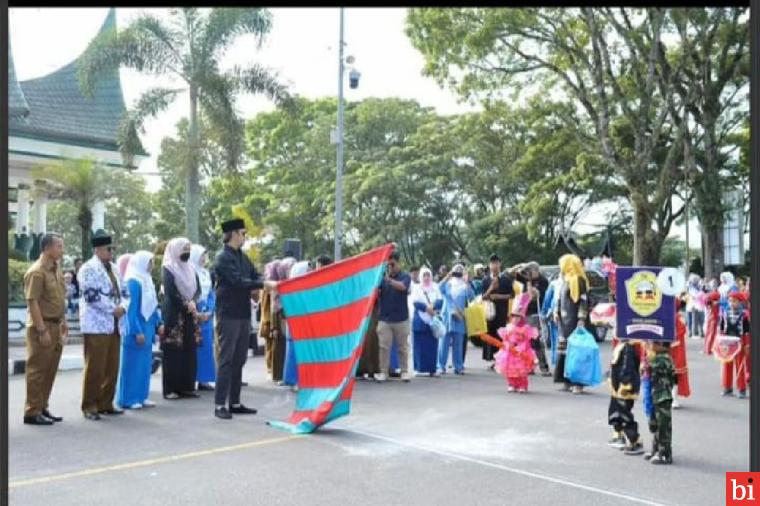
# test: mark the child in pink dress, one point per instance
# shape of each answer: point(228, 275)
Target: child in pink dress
point(517, 359)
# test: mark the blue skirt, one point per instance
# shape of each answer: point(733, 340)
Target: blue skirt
point(206, 369)
point(134, 375)
point(425, 351)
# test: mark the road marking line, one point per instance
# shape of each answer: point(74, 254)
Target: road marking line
point(149, 462)
point(513, 470)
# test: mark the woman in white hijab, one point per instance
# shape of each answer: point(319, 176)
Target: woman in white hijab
point(181, 293)
point(206, 370)
point(427, 300)
point(143, 322)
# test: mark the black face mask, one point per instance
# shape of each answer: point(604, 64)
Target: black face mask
point(184, 257)
point(456, 274)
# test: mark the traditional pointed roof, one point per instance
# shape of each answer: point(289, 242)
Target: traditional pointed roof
point(17, 106)
point(59, 111)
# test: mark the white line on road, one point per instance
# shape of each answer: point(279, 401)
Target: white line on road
point(531, 474)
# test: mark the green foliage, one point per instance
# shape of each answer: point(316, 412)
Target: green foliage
point(189, 47)
point(16, 271)
point(627, 73)
point(129, 215)
point(80, 182)
point(440, 187)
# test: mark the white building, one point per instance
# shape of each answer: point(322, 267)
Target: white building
point(50, 119)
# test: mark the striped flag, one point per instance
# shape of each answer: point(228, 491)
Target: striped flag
point(328, 313)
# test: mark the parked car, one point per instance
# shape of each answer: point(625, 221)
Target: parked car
point(599, 291)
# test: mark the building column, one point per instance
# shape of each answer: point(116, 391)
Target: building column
point(40, 213)
point(98, 216)
point(22, 210)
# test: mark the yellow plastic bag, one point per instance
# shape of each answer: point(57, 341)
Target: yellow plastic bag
point(475, 319)
point(517, 288)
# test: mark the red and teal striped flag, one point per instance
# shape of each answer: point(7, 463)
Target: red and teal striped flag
point(328, 312)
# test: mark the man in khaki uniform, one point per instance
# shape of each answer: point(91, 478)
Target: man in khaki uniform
point(46, 329)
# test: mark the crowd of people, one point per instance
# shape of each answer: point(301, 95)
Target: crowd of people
point(200, 316)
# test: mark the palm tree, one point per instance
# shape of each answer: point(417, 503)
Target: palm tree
point(189, 47)
point(81, 181)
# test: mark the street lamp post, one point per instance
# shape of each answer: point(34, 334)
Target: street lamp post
point(339, 171)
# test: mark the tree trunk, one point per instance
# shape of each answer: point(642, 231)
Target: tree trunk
point(192, 183)
point(712, 250)
point(647, 245)
point(85, 223)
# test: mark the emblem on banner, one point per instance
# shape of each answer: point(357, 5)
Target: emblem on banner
point(644, 297)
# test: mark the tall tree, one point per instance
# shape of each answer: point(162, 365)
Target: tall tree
point(189, 46)
point(82, 183)
point(713, 52)
point(169, 201)
point(604, 61)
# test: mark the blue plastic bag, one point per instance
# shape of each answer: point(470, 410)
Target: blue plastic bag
point(583, 364)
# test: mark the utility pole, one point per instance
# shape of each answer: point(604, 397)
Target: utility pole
point(339, 171)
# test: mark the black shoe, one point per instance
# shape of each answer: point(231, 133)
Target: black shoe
point(37, 420)
point(112, 411)
point(222, 413)
point(660, 459)
point(634, 449)
point(92, 416)
point(203, 387)
point(243, 383)
point(242, 410)
point(727, 392)
point(48, 414)
point(189, 395)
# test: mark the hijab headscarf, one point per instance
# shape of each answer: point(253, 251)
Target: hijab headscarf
point(429, 289)
point(122, 263)
point(727, 283)
point(283, 267)
point(571, 268)
point(280, 270)
point(204, 276)
point(137, 269)
point(183, 272)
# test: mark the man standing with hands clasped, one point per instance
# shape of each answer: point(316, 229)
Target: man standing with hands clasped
point(236, 278)
point(46, 329)
point(393, 325)
point(101, 308)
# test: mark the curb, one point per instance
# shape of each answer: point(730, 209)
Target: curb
point(67, 363)
point(73, 362)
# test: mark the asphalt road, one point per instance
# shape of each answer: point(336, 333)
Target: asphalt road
point(452, 440)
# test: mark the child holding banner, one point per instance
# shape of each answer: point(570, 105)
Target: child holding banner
point(662, 377)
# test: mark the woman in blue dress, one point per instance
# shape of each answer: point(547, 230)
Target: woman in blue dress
point(427, 300)
point(143, 321)
point(206, 370)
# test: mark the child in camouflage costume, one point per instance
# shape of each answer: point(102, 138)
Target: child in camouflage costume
point(662, 377)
